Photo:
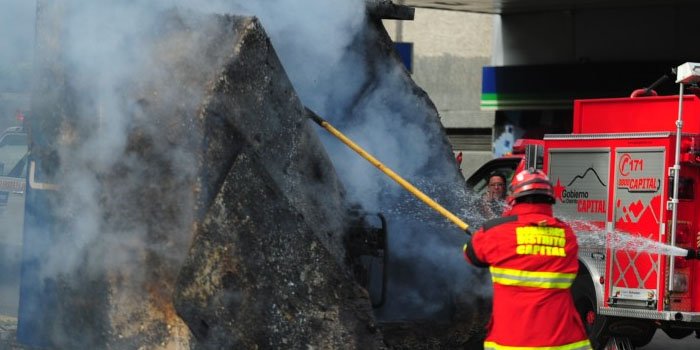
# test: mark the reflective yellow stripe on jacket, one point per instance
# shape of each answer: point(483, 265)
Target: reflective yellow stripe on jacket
point(579, 345)
point(536, 279)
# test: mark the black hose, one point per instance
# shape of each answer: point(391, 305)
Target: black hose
point(658, 82)
point(311, 114)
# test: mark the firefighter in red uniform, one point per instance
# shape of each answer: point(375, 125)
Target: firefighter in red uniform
point(533, 259)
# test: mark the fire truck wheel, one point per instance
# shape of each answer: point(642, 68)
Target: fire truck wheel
point(585, 301)
point(677, 333)
point(645, 338)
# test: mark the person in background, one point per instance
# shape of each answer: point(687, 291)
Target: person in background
point(493, 200)
point(533, 260)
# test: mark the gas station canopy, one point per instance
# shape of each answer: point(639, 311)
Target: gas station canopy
point(529, 6)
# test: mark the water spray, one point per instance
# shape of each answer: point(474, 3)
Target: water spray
point(622, 243)
point(386, 170)
point(590, 236)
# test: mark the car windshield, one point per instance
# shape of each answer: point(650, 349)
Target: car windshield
point(482, 179)
point(14, 140)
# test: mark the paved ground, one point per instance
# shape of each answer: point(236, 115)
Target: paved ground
point(9, 296)
point(8, 329)
point(662, 342)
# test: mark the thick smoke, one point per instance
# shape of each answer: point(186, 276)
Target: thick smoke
point(106, 49)
point(370, 101)
point(321, 47)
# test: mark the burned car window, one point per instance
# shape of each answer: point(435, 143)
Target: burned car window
point(14, 140)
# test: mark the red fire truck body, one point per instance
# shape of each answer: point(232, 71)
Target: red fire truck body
point(626, 178)
point(613, 176)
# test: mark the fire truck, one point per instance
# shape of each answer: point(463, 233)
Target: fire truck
point(631, 166)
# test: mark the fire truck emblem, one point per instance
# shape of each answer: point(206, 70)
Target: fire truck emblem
point(584, 201)
point(628, 164)
point(627, 168)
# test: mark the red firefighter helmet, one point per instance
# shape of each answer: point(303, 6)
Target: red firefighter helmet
point(530, 182)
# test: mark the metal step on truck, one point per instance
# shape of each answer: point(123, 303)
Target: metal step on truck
point(629, 169)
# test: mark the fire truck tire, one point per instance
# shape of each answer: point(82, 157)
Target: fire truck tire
point(644, 339)
point(677, 333)
point(585, 300)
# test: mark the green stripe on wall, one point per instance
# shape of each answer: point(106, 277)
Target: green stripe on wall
point(492, 101)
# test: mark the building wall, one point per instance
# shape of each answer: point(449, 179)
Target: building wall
point(449, 50)
point(644, 33)
point(635, 34)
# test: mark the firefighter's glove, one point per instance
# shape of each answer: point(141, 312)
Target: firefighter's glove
point(466, 246)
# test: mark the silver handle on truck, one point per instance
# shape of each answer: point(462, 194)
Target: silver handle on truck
point(686, 73)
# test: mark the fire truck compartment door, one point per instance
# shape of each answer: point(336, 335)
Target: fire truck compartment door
point(580, 179)
point(635, 276)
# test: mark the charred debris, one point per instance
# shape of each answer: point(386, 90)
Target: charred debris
point(220, 221)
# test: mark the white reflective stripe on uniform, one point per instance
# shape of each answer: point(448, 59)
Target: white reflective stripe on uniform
point(579, 345)
point(536, 279)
